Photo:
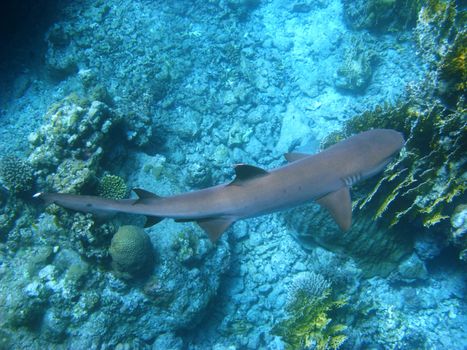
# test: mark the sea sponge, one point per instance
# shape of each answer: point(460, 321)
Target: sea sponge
point(113, 187)
point(131, 251)
point(16, 174)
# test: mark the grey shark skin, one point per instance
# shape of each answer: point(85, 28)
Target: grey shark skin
point(325, 177)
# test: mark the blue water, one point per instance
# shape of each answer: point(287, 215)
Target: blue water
point(188, 88)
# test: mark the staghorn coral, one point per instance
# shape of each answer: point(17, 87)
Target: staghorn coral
point(16, 174)
point(113, 187)
point(131, 251)
point(310, 308)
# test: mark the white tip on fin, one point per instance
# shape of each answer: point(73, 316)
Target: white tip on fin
point(339, 205)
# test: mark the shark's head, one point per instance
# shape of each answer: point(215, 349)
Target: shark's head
point(380, 145)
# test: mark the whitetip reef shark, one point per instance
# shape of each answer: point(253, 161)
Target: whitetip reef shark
point(325, 177)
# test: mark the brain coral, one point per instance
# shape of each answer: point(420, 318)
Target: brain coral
point(131, 251)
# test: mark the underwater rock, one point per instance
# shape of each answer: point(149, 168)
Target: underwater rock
point(356, 70)
point(304, 6)
point(131, 251)
point(198, 174)
point(54, 327)
point(239, 134)
point(190, 249)
point(90, 239)
point(428, 246)
point(27, 307)
point(168, 341)
point(61, 59)
point(459, 230)
point(240, 7)
point(411, 270)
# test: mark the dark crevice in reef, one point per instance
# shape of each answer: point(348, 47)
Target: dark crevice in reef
point(22, 28)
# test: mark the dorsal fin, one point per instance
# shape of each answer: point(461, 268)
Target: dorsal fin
point(143, 194)
point(246, 172)
point(293, 156)
point(340, 207)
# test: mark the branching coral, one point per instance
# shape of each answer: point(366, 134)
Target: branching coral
point(113, 187)
point(16, 174)
point(311, 307)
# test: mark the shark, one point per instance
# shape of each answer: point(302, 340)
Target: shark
point(325, 177)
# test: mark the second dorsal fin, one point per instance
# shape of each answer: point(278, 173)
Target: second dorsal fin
point(293, 156)
point(143, 194)
point(244, 172)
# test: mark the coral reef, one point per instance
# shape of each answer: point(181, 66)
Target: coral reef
point(131, 251)
point(68, 148)
point(16, 174)
point(112, 187)
point(311, 315)
point(428, 180)
point(381, 15)
point(89, 238)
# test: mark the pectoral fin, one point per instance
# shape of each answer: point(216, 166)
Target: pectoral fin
point(152, 220)
point(339, 205)
point(215, 227)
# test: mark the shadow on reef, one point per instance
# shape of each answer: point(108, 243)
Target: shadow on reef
point(423, 191)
